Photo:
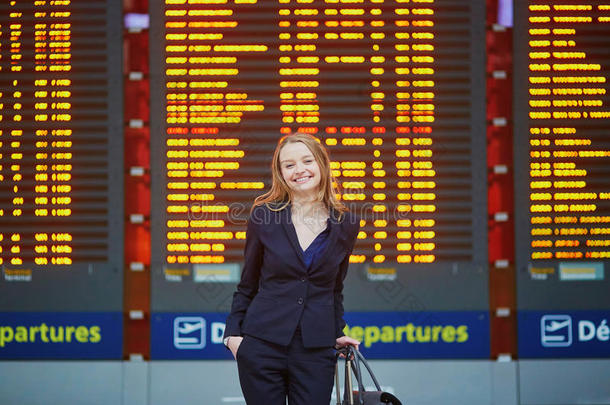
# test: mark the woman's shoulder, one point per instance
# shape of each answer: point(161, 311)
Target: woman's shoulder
point(348, 219)
point(266, 213)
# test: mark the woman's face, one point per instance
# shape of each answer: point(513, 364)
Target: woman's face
point(300, 169)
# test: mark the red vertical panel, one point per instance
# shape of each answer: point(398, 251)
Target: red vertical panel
point(502, 291)
point(137, 185)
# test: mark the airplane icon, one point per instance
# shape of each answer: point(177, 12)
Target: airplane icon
point(189, 332)
point(556, 330)
point(554, 325)
point(185, 328)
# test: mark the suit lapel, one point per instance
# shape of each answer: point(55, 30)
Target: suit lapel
point(288, 226)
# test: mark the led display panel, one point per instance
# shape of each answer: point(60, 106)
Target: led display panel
point(61, 197)
point(562, 153)
point(394, 89)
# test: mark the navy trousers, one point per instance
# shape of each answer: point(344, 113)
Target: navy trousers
point(270, 373)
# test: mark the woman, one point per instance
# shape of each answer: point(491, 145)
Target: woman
point(287, 312)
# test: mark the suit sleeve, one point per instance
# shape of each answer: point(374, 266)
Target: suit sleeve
point(339, 322)
point(248, 285)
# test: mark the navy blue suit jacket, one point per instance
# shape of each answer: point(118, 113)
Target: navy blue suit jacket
point(277, 291)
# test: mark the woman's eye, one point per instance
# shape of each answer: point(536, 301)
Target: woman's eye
point(288, 166)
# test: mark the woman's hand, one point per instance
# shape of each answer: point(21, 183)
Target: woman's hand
point(346, 341)
point(234, 343)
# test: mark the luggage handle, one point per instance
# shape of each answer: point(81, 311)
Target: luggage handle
point(349, 391)
point(348, 394)
point(362, 360)
point(337, 391)
point(353, 358)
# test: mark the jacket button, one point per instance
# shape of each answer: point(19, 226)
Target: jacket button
point(303, 279)
point(300, 301)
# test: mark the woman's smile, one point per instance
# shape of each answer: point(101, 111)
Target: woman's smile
point(303, 179)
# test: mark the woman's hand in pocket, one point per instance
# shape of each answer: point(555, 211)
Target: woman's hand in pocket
point(234, 343)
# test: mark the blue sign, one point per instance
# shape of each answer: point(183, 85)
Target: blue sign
point(188, 336)
point(421, 335)
point(61, 335)
point(384, 335)
point(560, 334)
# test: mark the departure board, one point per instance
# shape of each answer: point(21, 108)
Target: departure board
point(394, 89)
point(61, 196)
point(562, 153)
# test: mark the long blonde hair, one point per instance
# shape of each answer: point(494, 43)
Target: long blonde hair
point(280, 192)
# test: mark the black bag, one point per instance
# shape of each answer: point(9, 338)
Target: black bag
point(353, 358)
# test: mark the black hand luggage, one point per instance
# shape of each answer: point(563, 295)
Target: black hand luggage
point(353, 360)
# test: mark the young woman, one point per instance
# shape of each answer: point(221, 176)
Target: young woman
point(287, 313)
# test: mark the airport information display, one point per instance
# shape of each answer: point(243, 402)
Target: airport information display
point(562, 166)
point(394, 89)
point(61, 196)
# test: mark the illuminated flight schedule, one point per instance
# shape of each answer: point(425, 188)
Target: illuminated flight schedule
point(562, 153)
point(60, 156)
point(393, 89)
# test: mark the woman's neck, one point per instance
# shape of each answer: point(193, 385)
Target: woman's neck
point(308, 207)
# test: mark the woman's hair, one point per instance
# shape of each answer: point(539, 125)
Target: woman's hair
point(280, 192)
